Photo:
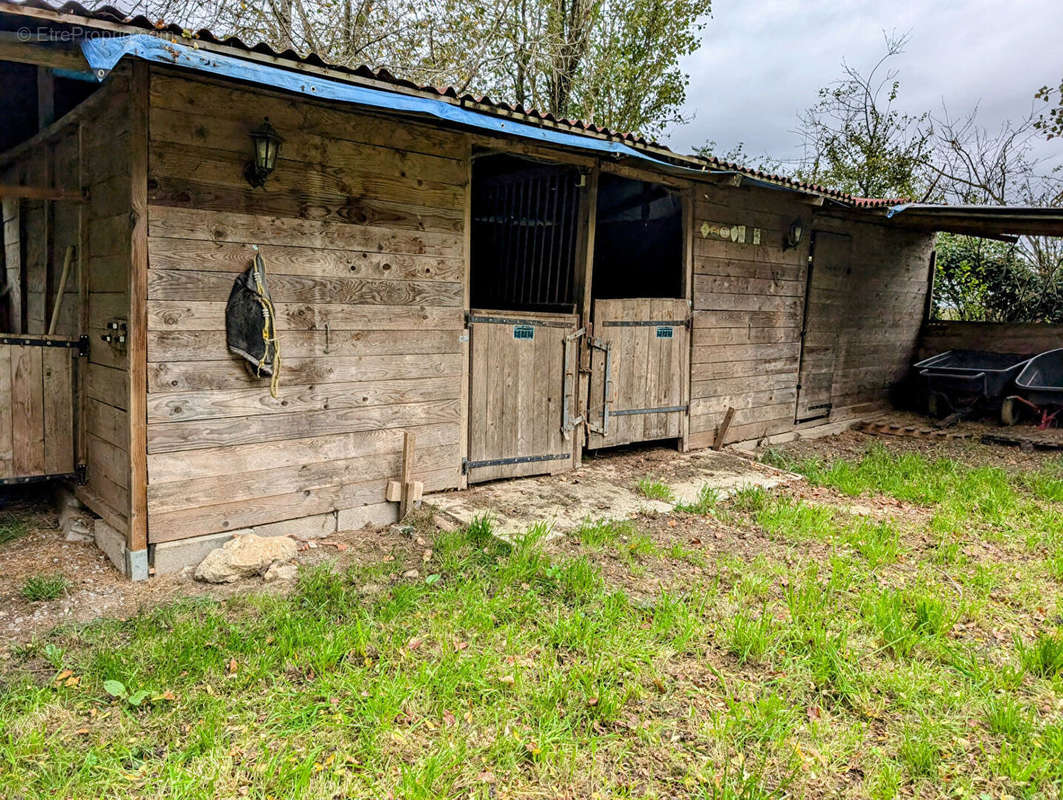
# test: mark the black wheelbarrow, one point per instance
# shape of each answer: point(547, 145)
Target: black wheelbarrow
point(957, 382)
point(1038, 390)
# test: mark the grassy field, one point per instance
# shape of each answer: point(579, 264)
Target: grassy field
point(892, 628)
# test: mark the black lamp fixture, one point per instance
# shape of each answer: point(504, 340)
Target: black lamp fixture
point(267, 144)
point(793, 234)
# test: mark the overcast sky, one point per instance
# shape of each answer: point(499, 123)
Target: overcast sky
point(762, 61)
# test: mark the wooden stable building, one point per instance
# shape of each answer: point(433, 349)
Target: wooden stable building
point(509, 288)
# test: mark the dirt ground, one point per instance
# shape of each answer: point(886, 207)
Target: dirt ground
point(98, 590)
point(606, 486)
point(961, 441)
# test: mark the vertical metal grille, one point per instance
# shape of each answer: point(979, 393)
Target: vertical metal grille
point(524, 238)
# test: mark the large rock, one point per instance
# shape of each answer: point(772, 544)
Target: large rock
point(244, 556)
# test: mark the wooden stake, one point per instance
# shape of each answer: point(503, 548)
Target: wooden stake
point(408, 443)
point(58, 304)
point(722, 431)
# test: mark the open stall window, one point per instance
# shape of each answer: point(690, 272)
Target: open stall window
point(524, 234)
point(638, 243)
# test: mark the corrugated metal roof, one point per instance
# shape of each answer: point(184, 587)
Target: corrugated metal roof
point(980, 220)
point(114, 18)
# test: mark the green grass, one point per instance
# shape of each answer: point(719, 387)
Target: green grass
point(915, 655)
point(12, 526)
point(655, 490)
point(1044, 657)
point(705, 503)
point(750, 637)
point(512, 662)
point(44, 587)
point(792, 519)
point(599, 533)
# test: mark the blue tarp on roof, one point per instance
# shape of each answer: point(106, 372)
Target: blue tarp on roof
point(103, 53)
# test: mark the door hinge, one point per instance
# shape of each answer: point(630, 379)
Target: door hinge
point(467, 465)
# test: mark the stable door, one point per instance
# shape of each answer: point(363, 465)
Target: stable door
point(640, 356)
point(521, 396)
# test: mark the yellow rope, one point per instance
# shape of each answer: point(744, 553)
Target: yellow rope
point(269, 336)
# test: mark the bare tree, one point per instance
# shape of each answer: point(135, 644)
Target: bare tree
point(856, 139)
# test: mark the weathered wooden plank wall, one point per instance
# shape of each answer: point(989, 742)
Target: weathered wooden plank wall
point(883, 302)
point(1002, 337)
point(105, 172)
point(749, 304)
point(748, 301)
point(361, 229)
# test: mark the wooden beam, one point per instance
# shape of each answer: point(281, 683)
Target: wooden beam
point(137, 537)
point(729, 178)
point(58, 304)
point(43, 55)
point(41, 193)
point(45, 98)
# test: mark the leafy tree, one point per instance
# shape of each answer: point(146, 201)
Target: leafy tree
point(1051, 121)
point(614, 62)
point(979, 280)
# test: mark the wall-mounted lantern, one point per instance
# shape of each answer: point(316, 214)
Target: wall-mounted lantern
point(793, 234)
point(267, 144)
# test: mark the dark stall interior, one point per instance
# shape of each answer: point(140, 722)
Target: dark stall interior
point(638, 243)
point(524, 234)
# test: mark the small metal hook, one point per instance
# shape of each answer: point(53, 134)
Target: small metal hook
point(326, 339)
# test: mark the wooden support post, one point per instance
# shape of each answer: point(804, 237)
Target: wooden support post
point(689, 202)
point(466, 371)
point(83, 296)
point(45, 98)
point(721, 432)
point(931, 277)
point(58, 304)
point(48, 207)
point(138, 309)
point(588, 221)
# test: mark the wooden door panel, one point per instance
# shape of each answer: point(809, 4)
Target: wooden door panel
point(37, 406)
point(640, 361)
point(516, 393)
point(824, 307)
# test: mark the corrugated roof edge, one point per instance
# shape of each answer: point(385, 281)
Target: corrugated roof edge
point(111, 18)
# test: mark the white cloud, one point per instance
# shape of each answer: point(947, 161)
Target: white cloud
point(762, 61)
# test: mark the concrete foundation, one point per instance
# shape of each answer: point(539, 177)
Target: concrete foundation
point(131, 563)
point(171, 557)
